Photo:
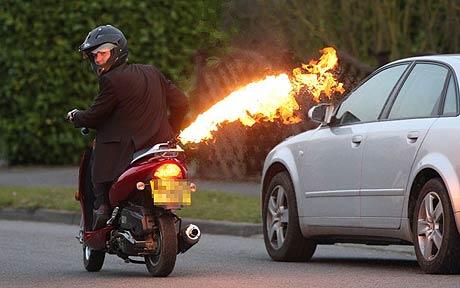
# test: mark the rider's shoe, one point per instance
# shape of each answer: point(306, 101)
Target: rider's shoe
point(100, 216)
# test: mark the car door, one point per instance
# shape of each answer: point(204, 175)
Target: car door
point(331, 159)
point(392, 144)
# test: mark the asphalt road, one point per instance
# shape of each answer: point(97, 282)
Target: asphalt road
point(47, 255)
point(68, 177)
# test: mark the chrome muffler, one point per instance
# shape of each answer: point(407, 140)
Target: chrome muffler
point(188, 236)
point(191, 234)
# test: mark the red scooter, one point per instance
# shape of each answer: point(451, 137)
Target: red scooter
point(143, 200)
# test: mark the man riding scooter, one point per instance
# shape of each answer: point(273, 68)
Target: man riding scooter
point(129, 113)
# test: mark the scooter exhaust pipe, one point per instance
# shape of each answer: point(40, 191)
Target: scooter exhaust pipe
point(188, 236)
point(191, 234)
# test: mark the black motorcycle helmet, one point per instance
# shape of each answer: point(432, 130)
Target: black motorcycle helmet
point(102, 35)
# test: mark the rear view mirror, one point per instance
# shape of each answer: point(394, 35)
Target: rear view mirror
point(321, 113)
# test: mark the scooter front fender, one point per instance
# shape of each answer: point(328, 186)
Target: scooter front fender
point(97, 239)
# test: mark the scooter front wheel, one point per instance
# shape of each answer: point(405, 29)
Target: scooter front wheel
point(162, 263)
point(92, 259)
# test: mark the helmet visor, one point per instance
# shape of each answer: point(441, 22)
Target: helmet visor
point(103, 48)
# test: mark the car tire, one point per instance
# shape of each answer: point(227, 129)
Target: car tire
point(435, 234)
point(282, 236)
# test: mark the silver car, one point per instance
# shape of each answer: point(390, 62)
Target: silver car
point(382, 168)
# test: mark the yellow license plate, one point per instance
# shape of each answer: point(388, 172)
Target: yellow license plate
point(171, 192)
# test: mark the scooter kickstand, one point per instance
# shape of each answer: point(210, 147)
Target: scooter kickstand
point(114, 215)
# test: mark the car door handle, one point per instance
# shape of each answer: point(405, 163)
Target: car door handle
point(412, 135)
point(357, 139)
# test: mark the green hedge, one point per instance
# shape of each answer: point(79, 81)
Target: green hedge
point(42, 76)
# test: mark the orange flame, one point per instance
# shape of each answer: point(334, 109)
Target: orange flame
point(316, 76)
point(268, 99)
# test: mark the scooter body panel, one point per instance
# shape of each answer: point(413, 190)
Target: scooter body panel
point(97, 239)
point(85, 193)
point(141, 172)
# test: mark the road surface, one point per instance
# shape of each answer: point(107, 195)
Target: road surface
point(47, 255)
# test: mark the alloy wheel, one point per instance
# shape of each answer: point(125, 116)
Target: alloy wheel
point(430, 226)
point(277, 216)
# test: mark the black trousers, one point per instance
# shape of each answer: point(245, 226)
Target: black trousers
point(101, 190)
point(101, 193)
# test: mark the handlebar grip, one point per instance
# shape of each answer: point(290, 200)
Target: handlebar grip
point(84, 131)
point(173, 142)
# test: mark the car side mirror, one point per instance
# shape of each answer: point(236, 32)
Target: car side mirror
point(321, 113)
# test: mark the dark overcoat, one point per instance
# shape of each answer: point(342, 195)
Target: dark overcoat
point(130, 113)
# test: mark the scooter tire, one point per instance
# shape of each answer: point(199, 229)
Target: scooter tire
point(92, 259)
point(162, 263)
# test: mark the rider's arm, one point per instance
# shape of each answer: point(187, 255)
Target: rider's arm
point(101, 108)
point(178, 104)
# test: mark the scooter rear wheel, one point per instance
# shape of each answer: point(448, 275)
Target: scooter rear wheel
point(92, 259)
point(162, 263)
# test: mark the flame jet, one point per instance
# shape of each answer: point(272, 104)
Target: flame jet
point(268, 99)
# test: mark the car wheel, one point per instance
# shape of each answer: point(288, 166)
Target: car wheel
point(282, 236)
point(436, 239)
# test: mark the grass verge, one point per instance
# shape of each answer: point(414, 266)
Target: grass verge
point(211, 205)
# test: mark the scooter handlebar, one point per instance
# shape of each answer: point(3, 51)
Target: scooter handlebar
point(84, 131)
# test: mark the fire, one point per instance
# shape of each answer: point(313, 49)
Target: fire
point(317, 77)
point(265, 100)
point(268, 99)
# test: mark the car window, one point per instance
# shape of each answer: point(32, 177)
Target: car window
point(366, 102)
point(450, 105)
point(420, 92)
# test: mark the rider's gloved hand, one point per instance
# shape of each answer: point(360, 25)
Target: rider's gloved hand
point(174, 141)
point(70, 114)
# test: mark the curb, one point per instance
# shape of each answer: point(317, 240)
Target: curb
point(73, 218)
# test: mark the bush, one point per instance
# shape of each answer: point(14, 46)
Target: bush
point(372, 31)
point(43, 76)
